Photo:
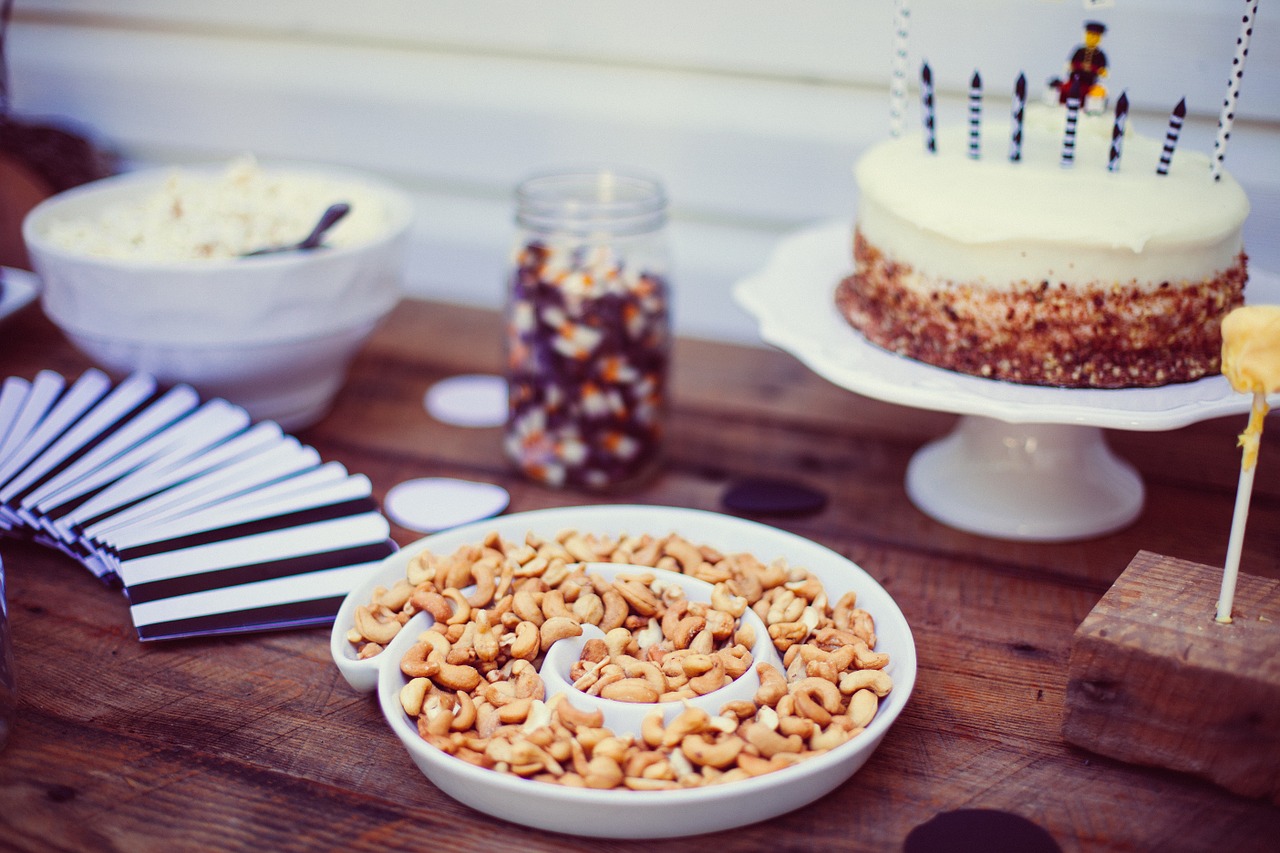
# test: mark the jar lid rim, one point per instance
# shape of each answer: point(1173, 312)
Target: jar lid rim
point(600, 192)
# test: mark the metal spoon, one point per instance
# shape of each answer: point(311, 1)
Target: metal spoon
point(332, 215)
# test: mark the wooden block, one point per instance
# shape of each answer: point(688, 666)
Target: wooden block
point(1153, 679)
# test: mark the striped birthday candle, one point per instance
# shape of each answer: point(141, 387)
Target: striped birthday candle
point(975, 116)
point(1171, 136)
point(1117, 132)
point(898, 77)
point(1018, 110)
point(926, 99)
point(1069, 134)
point(1228, 114)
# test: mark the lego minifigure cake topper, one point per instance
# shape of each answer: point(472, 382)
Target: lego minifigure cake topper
point(1084, 72)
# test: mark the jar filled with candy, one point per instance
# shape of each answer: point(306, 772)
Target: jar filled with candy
point(588, 329)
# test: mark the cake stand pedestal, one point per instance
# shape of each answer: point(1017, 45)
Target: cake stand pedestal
point(1041, 482)
point(1024, 462)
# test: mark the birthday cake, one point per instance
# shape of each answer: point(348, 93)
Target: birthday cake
point(1100, 271)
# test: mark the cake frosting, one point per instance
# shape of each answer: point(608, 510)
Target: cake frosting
point(1036, 272)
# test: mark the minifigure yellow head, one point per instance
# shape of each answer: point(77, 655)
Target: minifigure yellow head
point(1093, 33)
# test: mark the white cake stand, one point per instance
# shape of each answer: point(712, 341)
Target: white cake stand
point(1024, 462)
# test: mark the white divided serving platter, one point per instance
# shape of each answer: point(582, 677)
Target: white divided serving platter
point(624, 813)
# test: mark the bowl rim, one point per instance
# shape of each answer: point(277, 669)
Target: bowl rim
point(400, 207)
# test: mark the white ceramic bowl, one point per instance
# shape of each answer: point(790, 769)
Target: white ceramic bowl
point(623, 813)
point(274, 334)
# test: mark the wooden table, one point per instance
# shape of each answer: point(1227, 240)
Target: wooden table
point(257, 742)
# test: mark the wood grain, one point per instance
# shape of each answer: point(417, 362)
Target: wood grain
point(256, 742)
point(1153, 678)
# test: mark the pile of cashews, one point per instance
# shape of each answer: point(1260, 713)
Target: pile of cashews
point(475, 690)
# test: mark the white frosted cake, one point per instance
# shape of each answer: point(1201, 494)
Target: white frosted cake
point(1039, 273)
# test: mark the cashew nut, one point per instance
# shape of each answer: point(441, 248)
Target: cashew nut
point(526, 606)
point(630, 690)
point(712, 679)
point(692, 720)
point(719, 753)
point(862, 707)
point(558, 628)
point(616, 609)
point(867, 659)
point(413, 694)
point(457, 677)
point(603, 772)
point(875, 680)
point(485, 574)
point(553, 604)
point(575, 718)
point(376, 623)
point(772, 685)
point(462, 608)
point(395, 597)
point(638, 596)
point(588, 609)
point(769, 742)
point(526, 641)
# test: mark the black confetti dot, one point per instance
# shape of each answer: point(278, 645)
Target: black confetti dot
point(764, 496)
point(986, 830)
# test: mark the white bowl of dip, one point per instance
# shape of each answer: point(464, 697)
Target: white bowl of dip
point(145, 272)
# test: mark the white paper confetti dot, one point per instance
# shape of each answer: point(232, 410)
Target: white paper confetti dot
point(469, 400)
point(437, 503)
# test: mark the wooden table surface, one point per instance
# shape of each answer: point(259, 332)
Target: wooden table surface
point(257, 742)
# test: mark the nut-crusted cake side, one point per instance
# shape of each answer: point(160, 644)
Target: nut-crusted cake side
point(1100, 335)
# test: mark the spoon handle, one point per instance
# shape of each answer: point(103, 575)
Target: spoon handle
point(329, 219)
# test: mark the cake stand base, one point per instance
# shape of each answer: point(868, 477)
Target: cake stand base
point(1031, 482)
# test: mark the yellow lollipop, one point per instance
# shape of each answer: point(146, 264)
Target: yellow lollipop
point(1251, 363)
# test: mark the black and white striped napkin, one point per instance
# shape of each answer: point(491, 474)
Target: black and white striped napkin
point(212, 523)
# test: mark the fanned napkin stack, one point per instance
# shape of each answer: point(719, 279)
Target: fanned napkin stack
point(213, 524)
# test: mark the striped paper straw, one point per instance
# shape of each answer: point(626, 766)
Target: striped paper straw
point(1069, 135)
point(1117, 132)
point(1228, 115)
point(975, 116)
point(1019, 108)
point(926, 98)
point(1171, 136)
point(898, 79)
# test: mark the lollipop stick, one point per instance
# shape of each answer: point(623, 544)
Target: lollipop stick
point(1232, 568)
point(1248, 465)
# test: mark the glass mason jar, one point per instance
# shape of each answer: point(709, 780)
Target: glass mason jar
point(588, 332)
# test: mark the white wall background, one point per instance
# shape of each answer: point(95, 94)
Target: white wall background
point(751, 110)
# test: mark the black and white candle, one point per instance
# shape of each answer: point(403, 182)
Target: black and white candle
point(1228, 114)
point(1018, 110)
point(1069, 132)
point(1171, 136)
point(975, 116)
point(927, 109)
point(898, 77)
point(1117, 132)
